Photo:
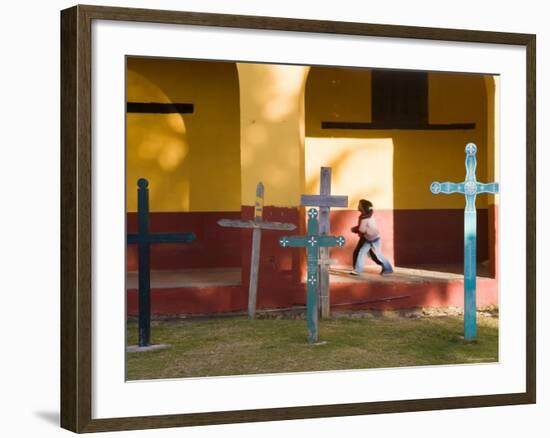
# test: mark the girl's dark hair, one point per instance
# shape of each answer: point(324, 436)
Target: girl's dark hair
point(366, 207)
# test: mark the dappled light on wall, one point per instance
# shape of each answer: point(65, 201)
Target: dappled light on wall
point(157, 148)
point(179, 133)
point(286, 87)
point(361, 168)
point(272, 133)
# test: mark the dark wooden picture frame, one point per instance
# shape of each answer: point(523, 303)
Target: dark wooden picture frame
point(76, 218)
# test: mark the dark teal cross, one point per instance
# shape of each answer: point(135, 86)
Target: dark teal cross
point(470, 188)
point(312, 241)
point(143, 239)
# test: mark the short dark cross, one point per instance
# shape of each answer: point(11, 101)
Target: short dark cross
point(470, 188)
point(313, 241)
point(324, 201)
point(257, 226)
point(143, 239)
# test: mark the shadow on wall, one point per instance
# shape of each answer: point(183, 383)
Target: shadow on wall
point(157, 148)
point(191, 160)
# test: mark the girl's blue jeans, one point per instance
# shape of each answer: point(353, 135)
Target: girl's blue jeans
point(375, 246)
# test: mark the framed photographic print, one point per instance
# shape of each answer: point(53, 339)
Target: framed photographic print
point(268, 218)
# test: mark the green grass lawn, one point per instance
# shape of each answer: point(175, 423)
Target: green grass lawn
point(229, 346)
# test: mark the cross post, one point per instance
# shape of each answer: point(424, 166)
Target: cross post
point(257, 226)
point(470, 188)
point(313, 241)
point(144, 238)
point(324, 201)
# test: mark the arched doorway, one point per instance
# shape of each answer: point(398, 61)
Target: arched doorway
point(184, 137)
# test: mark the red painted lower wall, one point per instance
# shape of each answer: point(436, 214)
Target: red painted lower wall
point(277, 264)
point(414, 237)
point(214, 247)
point(493, 243)
point(410, 295)
point(409, 237)
point(402, 295)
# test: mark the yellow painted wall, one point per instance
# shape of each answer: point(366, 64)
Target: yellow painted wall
point(261, 122)
point(492, 84)
point(272, 132)
point(355, 165)
point(393, 168)
point(192, 161)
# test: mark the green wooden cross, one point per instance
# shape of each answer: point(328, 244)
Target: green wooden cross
point(312, 241)
point(144, 238)
point(324, 200)
point(470, 188)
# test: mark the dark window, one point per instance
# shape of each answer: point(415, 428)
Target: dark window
point(399, 97)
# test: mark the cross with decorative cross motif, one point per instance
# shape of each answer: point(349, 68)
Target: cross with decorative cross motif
point(144, 238)
point(313, 242)
point(470, 188)
point(324, 200)
point(257, 225)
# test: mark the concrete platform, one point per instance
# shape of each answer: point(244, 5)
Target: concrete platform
point(189, 278)
point(407, 288)
point(418, 274)
point(339, 274)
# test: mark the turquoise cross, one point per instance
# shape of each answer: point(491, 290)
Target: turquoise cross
point(312, 242)
point(470, 188)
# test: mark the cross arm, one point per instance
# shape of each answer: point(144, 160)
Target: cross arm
point(293, 241)
point(276, 226)
point(233, 223)
point(132, 239)
point(446, 187)
point(331, 240)
point(488, 188)
point(324, 200)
